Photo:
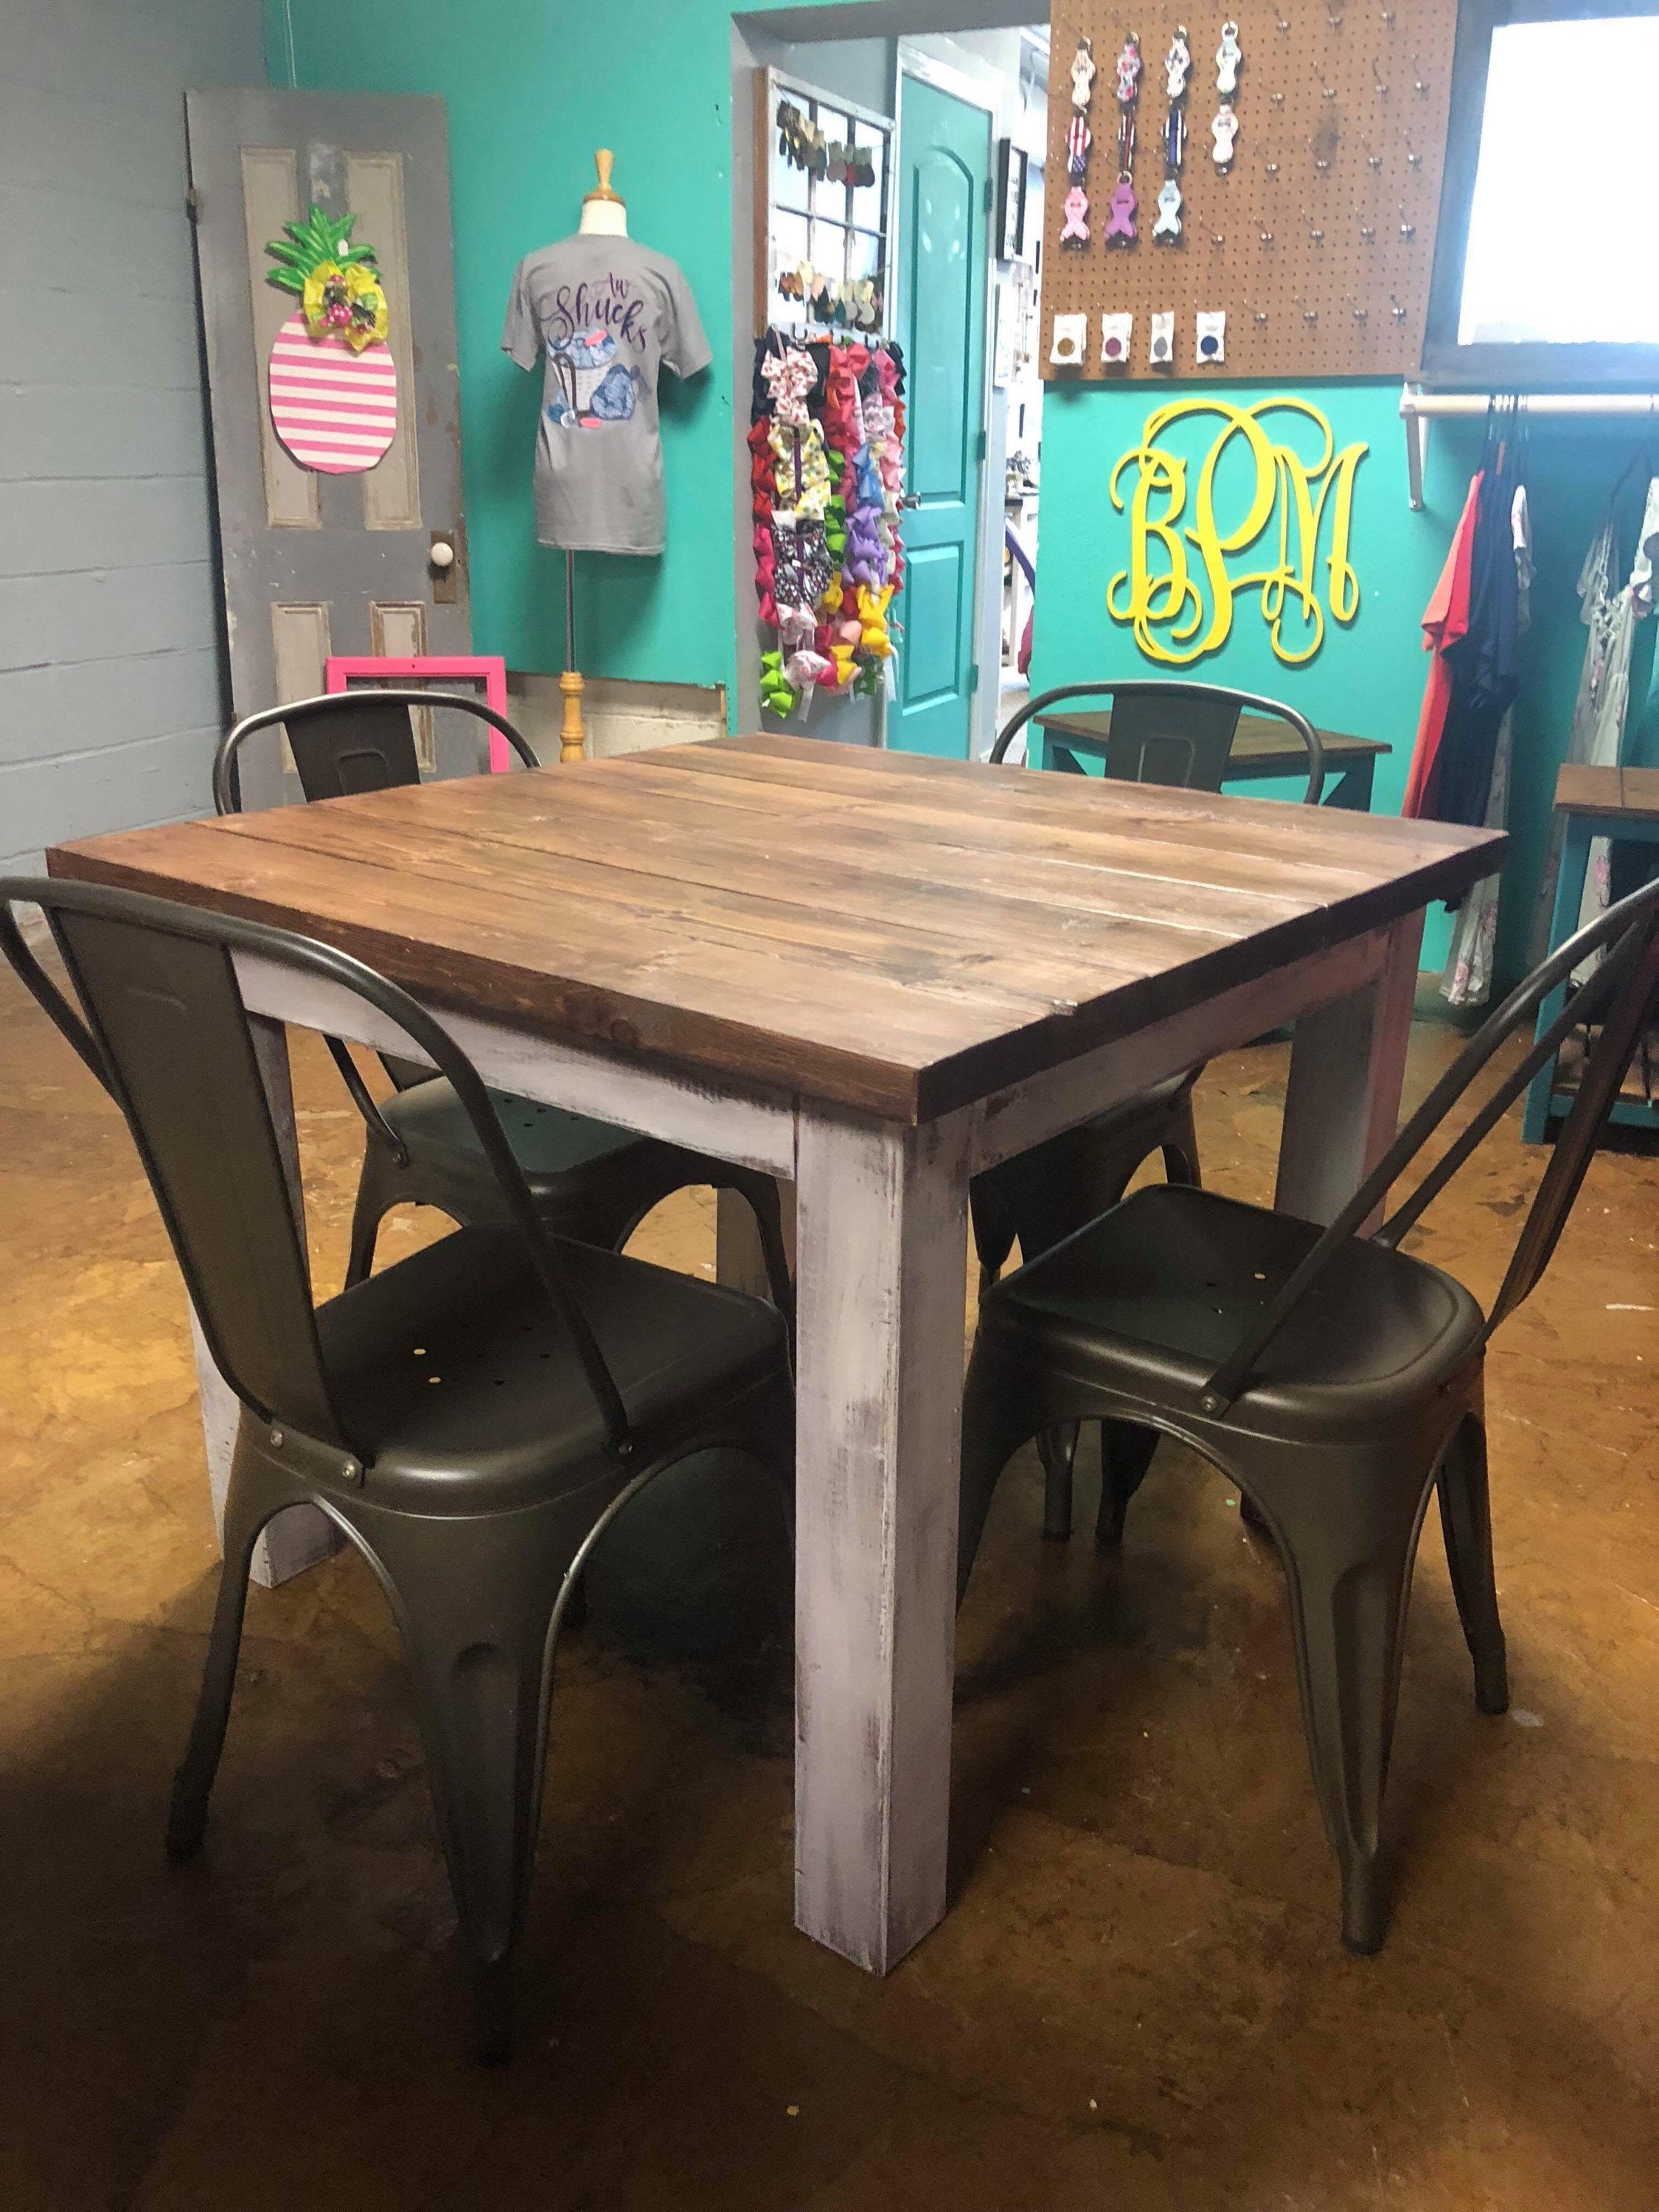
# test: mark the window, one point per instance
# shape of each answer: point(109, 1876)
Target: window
point(828, 197)
point(1546, 269)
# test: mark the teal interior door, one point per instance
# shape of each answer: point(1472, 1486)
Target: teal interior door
point(944, 186)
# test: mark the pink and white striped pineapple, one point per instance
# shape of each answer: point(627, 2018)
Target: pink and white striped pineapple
point(333, 382)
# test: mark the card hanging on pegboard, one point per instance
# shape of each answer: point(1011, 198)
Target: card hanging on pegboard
point(1070, 343)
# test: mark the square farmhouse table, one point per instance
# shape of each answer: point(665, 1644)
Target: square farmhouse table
point(873, 974)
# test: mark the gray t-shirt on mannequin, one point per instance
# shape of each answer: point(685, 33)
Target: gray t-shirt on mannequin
point(606, 313)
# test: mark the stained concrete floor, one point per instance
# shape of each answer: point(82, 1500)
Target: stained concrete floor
point(1138, 1999)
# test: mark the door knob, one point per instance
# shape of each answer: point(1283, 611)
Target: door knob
point(911, 499)
point(442, 554)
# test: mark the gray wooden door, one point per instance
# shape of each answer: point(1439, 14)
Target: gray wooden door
point(317, 563)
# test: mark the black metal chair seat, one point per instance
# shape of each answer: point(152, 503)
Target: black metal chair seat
point(463, 1396)
point(1149, 1299)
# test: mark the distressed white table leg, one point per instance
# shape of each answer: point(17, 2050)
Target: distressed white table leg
point(301, 1536)
point(882, 1219)
point(739, 1263)
point(1342, 1103)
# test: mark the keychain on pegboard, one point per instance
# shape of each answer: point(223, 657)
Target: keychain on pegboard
point(1078, 140)
point(1229, 59)
point(1177, 64)
point(1121, 214)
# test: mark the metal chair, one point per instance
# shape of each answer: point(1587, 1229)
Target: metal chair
point(347, 742)
point(472, 1418)
point(1165, 733)
point(590, 1181)
point(1173, 732)
point(1336, 1381)
point(1157, 729)
point(1161, 732)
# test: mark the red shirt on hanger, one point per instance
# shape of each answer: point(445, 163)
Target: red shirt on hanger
point(1445, 621)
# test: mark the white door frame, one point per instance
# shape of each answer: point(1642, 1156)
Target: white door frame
point(974, 92)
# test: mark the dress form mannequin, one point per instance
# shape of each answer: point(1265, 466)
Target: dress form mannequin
point(604, 212)
point(604, 215)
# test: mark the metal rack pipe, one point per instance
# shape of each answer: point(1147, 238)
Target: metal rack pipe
point(1419, 408)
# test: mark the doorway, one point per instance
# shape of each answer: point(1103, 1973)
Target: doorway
point(945, 210)
point(967, 110)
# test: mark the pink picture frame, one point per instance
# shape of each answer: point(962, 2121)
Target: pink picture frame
point(487, 669)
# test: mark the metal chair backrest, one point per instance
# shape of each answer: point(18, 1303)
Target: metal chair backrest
point(1172, 733)
point(345, 742)
point(1622, 994)
point(163, 1026)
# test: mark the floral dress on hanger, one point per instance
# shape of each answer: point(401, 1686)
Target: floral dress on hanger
point(1603, 704)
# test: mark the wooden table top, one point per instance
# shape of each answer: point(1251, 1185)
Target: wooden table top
point(877, 930)
point(1259, 738)
point(1582, 789)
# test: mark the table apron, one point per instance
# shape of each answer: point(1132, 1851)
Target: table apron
point(757, 1131)
point(743, 1127)
point(1012, 1121)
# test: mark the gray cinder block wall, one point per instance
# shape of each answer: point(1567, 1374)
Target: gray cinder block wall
point(110, 683)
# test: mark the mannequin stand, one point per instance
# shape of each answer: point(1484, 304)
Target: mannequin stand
point(572, 738)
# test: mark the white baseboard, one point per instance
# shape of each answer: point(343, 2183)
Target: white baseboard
point(618, 716)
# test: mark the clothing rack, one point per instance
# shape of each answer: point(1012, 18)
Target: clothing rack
point(1419, 408)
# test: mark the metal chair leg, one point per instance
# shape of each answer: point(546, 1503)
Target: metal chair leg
point(1057, 1450)
point(999, 1413)
point(1125, 1454)
point(1349, 1576)
point(250, 1504)
point(1465, 1523)
point(378, 1190)
point(1181, 1163)
point(761, 1193)
point(474, 1603)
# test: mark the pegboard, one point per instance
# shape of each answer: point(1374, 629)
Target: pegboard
point(1318, 242)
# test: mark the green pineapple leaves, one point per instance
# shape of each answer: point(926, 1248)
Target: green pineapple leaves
point(306, 246)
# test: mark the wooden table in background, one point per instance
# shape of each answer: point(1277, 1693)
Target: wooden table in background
point(873, 974)
point(1591, 802)
point(1263, 748)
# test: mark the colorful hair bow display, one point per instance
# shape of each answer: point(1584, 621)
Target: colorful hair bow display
point(827, 448)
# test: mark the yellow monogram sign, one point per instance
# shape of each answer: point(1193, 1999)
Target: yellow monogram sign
point(1194, 608)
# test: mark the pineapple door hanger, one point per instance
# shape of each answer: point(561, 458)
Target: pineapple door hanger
point(332, 377)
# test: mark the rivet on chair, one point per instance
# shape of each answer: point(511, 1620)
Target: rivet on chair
point(276, 1438)
point(350, 1470)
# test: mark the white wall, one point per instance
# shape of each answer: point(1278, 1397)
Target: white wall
point(110, 688)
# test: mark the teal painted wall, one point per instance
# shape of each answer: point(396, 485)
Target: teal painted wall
point(1368, 678)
